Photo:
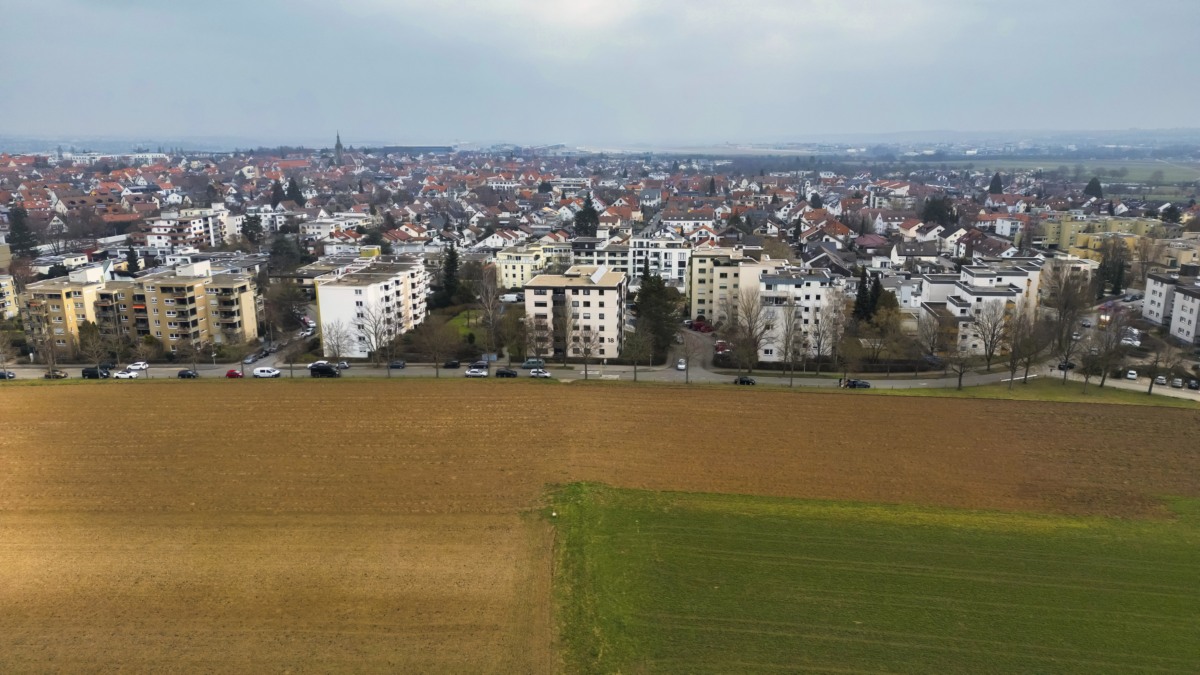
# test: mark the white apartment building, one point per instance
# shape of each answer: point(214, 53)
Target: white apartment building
point(667, 252)
point(373, 299)
point(8, 297)
point(516, 265)
point(594, 298)
point(810, 291)
point(715, 274)
point(1174, 301)
point(219, 224)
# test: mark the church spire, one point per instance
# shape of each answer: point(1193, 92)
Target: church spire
point(337, 150)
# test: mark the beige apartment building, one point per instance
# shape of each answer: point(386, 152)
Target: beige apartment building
point(715, 275)
point(8, 297)
point(581, 310)
point(53, 309)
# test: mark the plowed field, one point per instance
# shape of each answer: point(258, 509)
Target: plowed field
point(384, 526)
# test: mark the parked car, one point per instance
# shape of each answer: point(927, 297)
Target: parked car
point(397, 364)
point(505, 372)
point(1086, 323)
point(266, 371)
point(54, 375)
point(1130, 342)
point(343, 365)
point(1177, 383)
point(681, 364)
point(137, 365)
point(188, 375)
point(1066, 365)
point(742, 379)
point(479, 364)
point(539, 373)
point(125, 375)
point(94, 373)
point(1193, 384)
point(314, 364)
point(530, 364)
point(858, 384)
point(1128, 297)
point(452, 363)
point(233, 373)
point(476, 372)
point(1131, 375)
point(324, 370)
point(250, 359)
point(7, 375)
point(1161, 379)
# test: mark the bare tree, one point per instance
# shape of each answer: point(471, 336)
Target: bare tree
point(540, 337)
point(144, 350)
point(1147, 252)
point(929, 333)
point(960, 360)
point(1164, 357)
point(791, 337)
point(993, 324)
point(513, 333)
point(94, 348)
point(337, 338)
point(191, 352)
point(7, 353)
point(375, 328)
point(637, 349)
point(1070, 295)
point(693, 348)
point(585, 342)
point(1108, 345)
point(830, 326)
point(292, 355)
point(563, 327)
point(749, 328)
point(436, 339)
point(487, 290)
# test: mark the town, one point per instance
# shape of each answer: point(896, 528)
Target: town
point(339, 258)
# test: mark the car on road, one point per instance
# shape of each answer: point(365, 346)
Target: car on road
point(530, 364)
point(1086, 323)
point(742, 379)
point(1161, 379)
point(343, 365)
point(1066, 365)
point(681, 364)
point(1130, 342)
point(1177, 383)
point(1076, 335)
point(324, 370)
point(7, 375)
point(125, 375)
point(267, 371)
point(452, 363)
point(505, 372)
point(233, 373)
point(250, 359)
point(397, 364)
point(479, 364)
point(476, 372)
point(858, 384)
point(94, 373)
point(1193, 384)
point(314, 364)
point(188, 375)
point(539, 373)
point(54, 375)
point(1131, 375)
point(138, 365)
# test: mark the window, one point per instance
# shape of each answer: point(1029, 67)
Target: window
point(358, 291)
point(587, 317)
point(601, 317)
point(158, 333)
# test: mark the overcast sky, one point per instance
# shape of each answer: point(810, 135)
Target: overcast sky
point(614, 72)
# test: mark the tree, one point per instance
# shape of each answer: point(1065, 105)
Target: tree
point(487, 293)
point(815, 201)
point(1114, 256)
point(191, 352)
point(1163, 359)
point(513, 334)
point(145, 349)
point(277, 194)
point(637, 349)
point(92, 344)
point(992, 323)
point(285, 303)
point(1148, 250)
point(337, 338)
point(133, 263)
point(7, 353)
point(293, 192)
point(939, 210)
point(712, 186)
point(585, 342)
point(1030, 338)
point(749, 327)
point(1093, 189)
point(960, 360)
point(375, 328)
point(929, 333)
point(829, 327)
point(587, 220)
point(21, 239)
point(876, 295)
point(545, 187)
point(658, 314)
point(292, 355)
point(1069, 295)
point(862, 298)
point(1108, 345)
point(883, 335)
point(540, 337)
point(436, 339)
point(285, 254)
point(997, 185)
point(445, 296)
point(1171, 214)
point(252, 229)
point(791, 336)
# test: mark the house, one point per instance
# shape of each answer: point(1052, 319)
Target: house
point(908, 253)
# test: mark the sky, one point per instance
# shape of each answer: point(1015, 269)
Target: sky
point(598, 72)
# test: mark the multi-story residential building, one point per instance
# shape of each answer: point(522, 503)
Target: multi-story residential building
point(808, 292)
point(54, 309)
point(599, 252)
point(581, 310)
point(516, 265)
point(220, 225)
point(1174, 301)
point(8, 297)
point(714, 276)
point(372, 300)
point(667, 253)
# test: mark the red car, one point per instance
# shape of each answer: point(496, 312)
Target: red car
point(233, 372)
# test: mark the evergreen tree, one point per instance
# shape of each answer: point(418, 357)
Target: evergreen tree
point(815, 201)
point(21, 240)
point(293, 192)
point(587, 220)
point(712, 186)
point(997, 186)
point(252, 229)
point(449, 276)
point(1172, 214)
point(277, 194)
point(1093, 189)
point(656, 312)
point(1119, 279)
point(862, 298)
point(132, 262)
point(876, 293)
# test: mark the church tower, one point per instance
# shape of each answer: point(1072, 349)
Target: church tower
point(337, 150)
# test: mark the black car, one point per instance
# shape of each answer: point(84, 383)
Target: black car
point(1193, 384)
point(505, 372)
point(858, 384)
point(1066, 365)
point(7, 375)
point(54, 375)
point(482, 365)
point(95, 373)
point(453, 363)
point(188, 375)
point(744, 380)
point(398, 364)
point(324, 370)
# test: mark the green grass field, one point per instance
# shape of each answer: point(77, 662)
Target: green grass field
point(669, 582)
point(1045, 389)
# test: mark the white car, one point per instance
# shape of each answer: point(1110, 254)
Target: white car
point(476, 372)
point(266, 371)
point(1131, 375)
point(681, 364)
point(538, 372)
point(318, 363)
point(125, 375)
point(137, 365)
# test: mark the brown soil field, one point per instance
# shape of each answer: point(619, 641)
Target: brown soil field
point(373, 525)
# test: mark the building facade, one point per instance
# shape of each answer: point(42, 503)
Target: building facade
point(581, 311)
point(371, 301)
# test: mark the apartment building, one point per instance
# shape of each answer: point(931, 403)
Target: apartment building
point(809, 292)
point(715, 274)
point(374, 300)
point(666, 252)
point(583, 306)
point(54, 309)
point(1173, 300)
point(516, 265)
point(8, 297)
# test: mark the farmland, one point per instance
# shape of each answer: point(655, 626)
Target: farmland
point(276, 525)
point(669, 582)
